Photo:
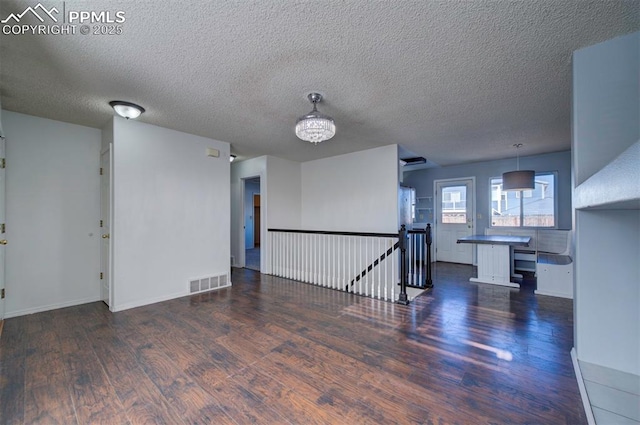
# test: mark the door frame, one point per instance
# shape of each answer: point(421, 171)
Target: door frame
point(436, 218)
point(3, 219)
point(241, 260)
point(109, 267)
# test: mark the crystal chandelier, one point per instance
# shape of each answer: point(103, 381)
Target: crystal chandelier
point(315, 127)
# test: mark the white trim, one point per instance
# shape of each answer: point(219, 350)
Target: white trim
point(583, 390)
point(148, 301)
point(556, 208)
point(242, 260)
point(51, 307)
point(553, 294)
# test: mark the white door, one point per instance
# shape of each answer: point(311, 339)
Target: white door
point(454, 219)
point(105, 203)
point(3, 241)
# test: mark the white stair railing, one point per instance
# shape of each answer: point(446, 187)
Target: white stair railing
point(362, 263)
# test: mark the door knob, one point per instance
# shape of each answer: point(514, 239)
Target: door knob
point(3, 242)
point(105, 236)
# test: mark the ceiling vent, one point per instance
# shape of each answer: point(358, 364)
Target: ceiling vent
point(414, 161)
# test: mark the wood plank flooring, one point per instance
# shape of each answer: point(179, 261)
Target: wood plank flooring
point(270, 350)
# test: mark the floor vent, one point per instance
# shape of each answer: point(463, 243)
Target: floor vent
point(208, 283)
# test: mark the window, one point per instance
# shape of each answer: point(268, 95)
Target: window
point(454, 204)
point(528, 208)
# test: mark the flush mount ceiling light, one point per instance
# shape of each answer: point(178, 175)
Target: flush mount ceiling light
point(315, 127)
point(519, 179)
point(126, 110)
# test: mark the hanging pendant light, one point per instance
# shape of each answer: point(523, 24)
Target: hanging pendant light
point(315, 127)
point(519, 179)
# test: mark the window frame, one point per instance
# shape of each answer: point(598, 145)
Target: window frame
point(522, 198)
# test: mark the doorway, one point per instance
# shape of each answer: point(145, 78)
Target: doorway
point(3, 241)
point(105, 226)
point(454, 219)
point(252, 223)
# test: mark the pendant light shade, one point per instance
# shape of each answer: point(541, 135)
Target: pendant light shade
point(519, 179)
point(315, 127)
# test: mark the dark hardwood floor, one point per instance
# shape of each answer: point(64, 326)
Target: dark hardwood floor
point(270, 350)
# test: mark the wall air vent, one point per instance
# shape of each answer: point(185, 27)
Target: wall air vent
point(210, 283)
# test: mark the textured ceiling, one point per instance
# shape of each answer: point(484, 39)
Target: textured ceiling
point(453, 81)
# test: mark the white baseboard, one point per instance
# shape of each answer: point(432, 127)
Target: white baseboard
point(554, 294)
point(591, 420)
point(147, 301)
point(48, 307)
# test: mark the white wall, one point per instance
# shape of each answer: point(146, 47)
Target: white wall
point(356, 192)
point(53, 213)
point(605, 103)
point(606, 122)
point(608, 289)
point(283, 185)
point(170, 212)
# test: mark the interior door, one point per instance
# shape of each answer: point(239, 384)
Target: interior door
point(454, 219)
point(105, 207)
point(3, 241)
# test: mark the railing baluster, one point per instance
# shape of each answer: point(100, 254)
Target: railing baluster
point(313, 258)
point(427, 241)
point(394, 257)
point(419, 259)
point(379, 270)
point(299, 257)
point(334, 257)
point(402, 297)
point(341, 256)
point(325, 260)
point(305, 266)
point(348, 261)
point(386, 272)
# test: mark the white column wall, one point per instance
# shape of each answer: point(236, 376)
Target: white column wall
point(53, 213)
point(606, 127)
point(171, 212)
point(284, 188)
point(608, 288)
point(356, 192)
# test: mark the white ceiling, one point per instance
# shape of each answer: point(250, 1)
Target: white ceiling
point(454, 81)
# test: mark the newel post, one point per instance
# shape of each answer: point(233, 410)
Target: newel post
point(427, 240)
point(402, 244)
